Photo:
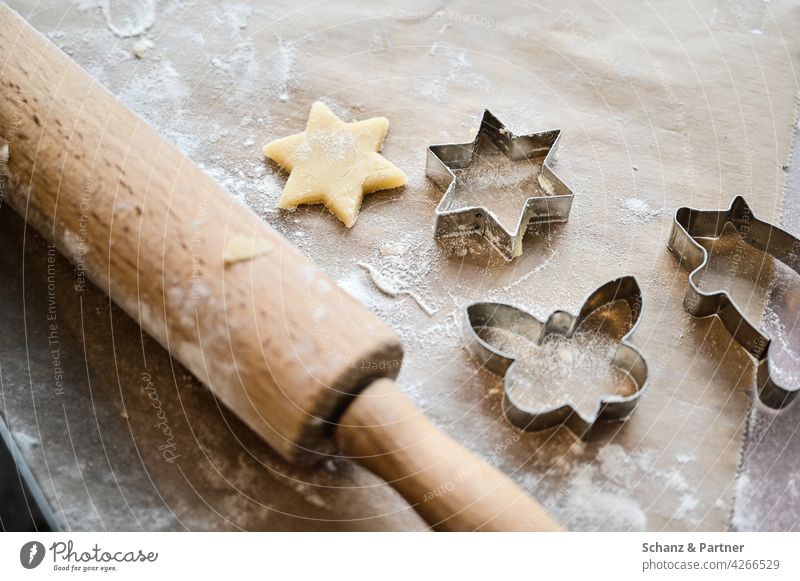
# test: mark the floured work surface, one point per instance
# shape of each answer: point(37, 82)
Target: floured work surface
point(677, 104)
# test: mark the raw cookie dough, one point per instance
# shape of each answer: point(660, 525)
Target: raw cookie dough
point(334, 163)
point(241, 248)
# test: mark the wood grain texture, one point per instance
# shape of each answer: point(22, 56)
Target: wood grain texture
point(274, 337)
point(450, 487)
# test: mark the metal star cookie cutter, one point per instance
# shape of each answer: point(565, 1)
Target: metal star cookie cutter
point(626, 358)
point(691, 223)
point(554, 206)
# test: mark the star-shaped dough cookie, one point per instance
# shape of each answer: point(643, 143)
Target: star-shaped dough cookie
point(334, 163)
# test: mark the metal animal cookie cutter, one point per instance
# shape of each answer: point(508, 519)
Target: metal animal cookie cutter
point(507, 317)
point(690, 223)
point(554, 206)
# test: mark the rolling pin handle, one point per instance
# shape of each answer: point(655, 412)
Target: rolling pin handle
point(451, 488)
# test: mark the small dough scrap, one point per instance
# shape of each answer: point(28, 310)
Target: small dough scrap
point(334, 163)
point(241, 248)
point(547, 186)
point(141, 46)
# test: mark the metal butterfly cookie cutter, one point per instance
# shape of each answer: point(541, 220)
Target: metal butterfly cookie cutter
point(553, 206)
point(626, 358)
point(691, 223)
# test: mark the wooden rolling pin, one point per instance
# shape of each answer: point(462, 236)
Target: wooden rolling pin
point(299, 360)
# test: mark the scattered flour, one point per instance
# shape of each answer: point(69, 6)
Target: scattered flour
point(459, 73)
point(687, 506)
point(354, 286)
point(639, 209)
point(387, 286)
point(327, 144)
point(601, 486)
point(495, 182)
point(129, 19)
point(156, 92)
point(575, 370)
point(600, 507)
point(284, 67)
point(392, 249)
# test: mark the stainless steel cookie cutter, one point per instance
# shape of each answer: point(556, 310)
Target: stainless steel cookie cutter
point(554, 206)
point(691, 223)
point(627, 358)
